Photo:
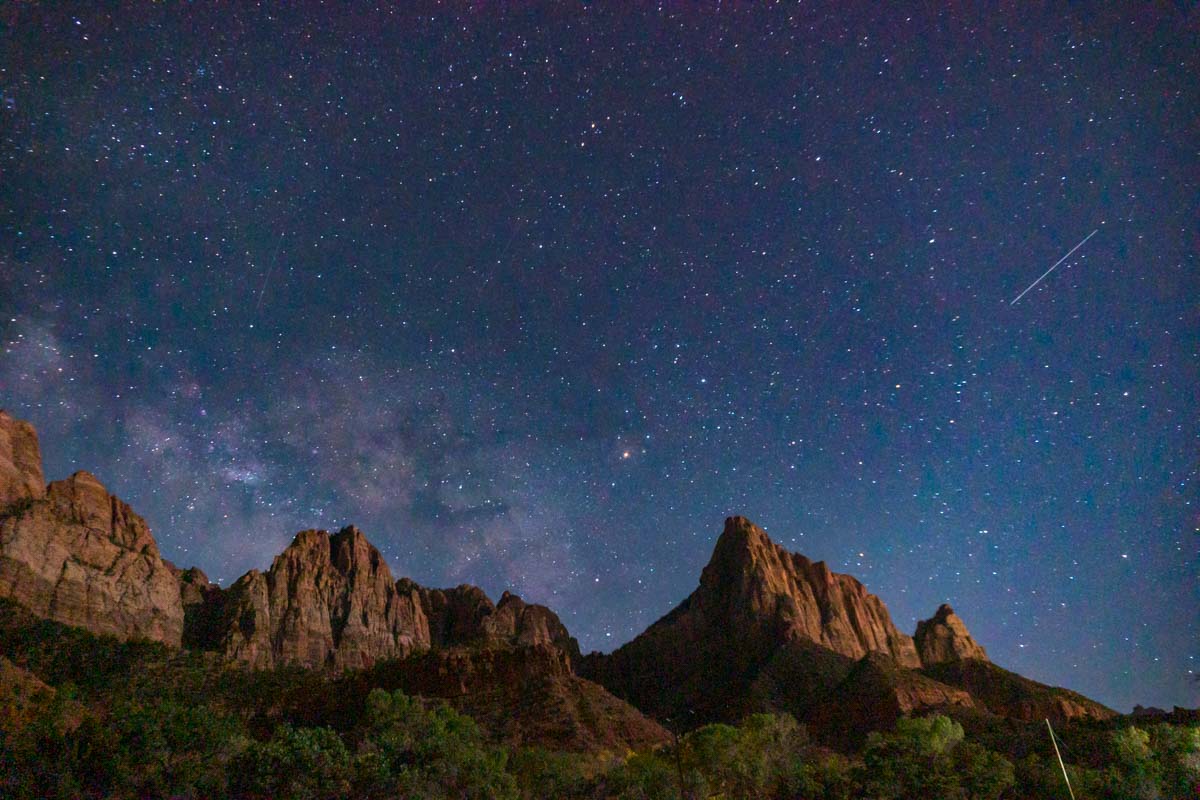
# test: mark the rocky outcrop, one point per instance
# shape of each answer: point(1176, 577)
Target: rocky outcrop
point(20, 462)
point(525, 624)
point(330, 601)
point(83, 500)
point(756, 586)
point(465, 616)
point(326, 601)
point(754, 597)
point(72, 552)
point(454, 616)
point(204, 609)
point(944, 637)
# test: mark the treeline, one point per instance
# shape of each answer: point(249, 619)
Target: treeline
point(134, 720)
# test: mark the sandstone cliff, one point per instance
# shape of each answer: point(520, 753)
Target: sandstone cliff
point(757, 587)
point(72, 552)
point(20, 462)
point(944, 637)
point(704, 657)
point(765, 630)
point(331, 601)
point(326, 601)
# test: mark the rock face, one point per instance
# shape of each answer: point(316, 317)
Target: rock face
point(331, 601)
point(944, 637)
point(754, 598)
point(465, 616)
point(83, 557)
point(326, 601)
point(758, 587)
point(204, 609)
point(72, 552)
point(20, 462)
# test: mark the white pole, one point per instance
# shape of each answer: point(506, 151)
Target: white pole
point(1060, 761)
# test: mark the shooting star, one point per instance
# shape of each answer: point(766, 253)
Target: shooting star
point(1056, 263)
point(267, 277)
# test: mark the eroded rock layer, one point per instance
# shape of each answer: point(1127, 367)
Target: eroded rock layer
point(465, 616)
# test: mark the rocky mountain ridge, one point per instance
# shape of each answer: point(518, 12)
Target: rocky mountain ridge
point(72, 553)
point(769, 630)
point(765, 630)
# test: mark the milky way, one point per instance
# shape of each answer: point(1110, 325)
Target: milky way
point(538, 296)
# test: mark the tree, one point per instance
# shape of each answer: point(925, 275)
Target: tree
point(419, 752)
point(758, 759)
point(982, 774)
point(295, 764)
point(926, 757)
point(1177, 751)
point(913, 760)
point(643, 776)
point(829, 777)
point(541, 773)
point(1160, 762)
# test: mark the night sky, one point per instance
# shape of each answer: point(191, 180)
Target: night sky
point(537, 296)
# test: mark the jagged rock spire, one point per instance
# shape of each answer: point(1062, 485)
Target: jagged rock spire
point(944, 637)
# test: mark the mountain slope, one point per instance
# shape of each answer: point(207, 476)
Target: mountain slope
point(703, 658)
point(1007, 694)
point(765, 630)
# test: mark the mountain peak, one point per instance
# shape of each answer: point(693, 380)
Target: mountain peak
point(741, 533)
point(740, 545)
point(739, 526)
point(327, 600)
point(944, 638)
point(754, 584)
point(754, 598)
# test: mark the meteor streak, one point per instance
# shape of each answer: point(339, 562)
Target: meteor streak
point(1056, 263)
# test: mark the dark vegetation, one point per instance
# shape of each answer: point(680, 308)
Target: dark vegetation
point(88, 716)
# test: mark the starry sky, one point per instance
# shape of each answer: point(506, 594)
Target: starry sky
point(536, 295)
